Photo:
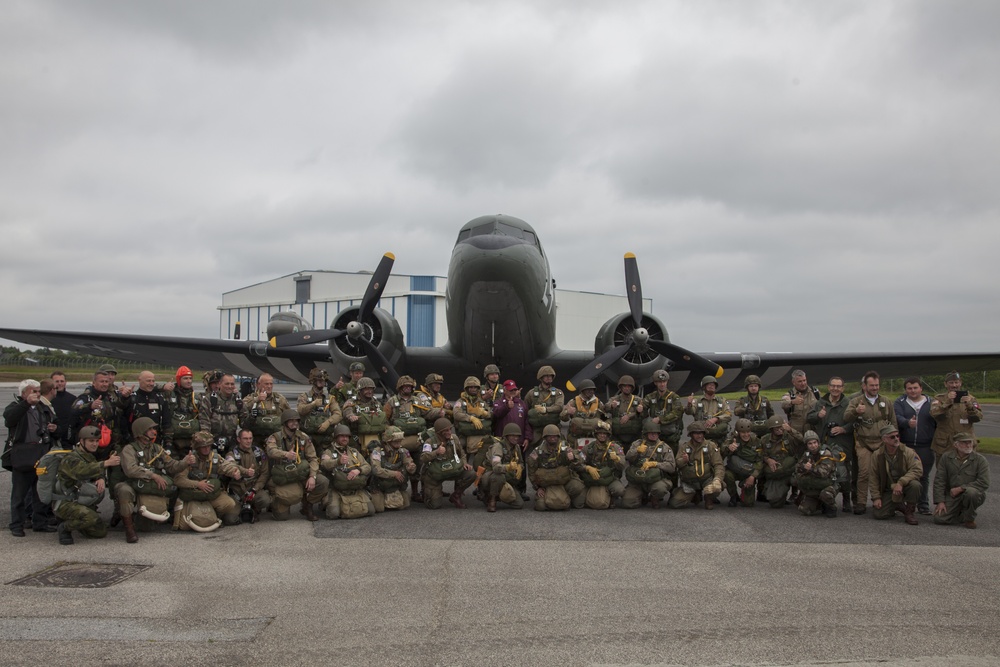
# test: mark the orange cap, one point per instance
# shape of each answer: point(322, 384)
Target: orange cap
point(181, 372)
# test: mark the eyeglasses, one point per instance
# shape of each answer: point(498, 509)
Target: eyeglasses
point(892, 437)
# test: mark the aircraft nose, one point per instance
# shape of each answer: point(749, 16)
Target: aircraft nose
point(493, 241)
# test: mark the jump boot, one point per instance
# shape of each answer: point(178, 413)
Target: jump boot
point(130, 535)
point(908, 513)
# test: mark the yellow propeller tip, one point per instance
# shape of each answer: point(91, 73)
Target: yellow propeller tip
point(569, 385)
point(719, 372)
point(273, 342)
point(390, 256)
point(630, 255)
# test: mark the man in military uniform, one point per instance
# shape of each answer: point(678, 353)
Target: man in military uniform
point(443, 459)
point(348, 472)
point(711, 410)
point(294, 470)
point(492, 389)
point(407, 411)
point(262, 410)
point(430, 393)
point(895, 477)
point(392, 468)
point(604, 462)
point(870, 413)
point(650, 464)
point(545, 403)
point(80, 488)
point(583, 412)
point(837, 435)
point(119, 397)
point(624, 411)
point(148, 401)
point(665, 408)
point(211, 383)
point(754, 406)
point(318, 410)
point(814, 476)
point(744, 464)
point(348, 391)
point(779, 448)
point(202, 480)
point(961, 482)
point(955, 411)
point(699, 469)
point(183, 411)
point(473, 418)
point(364, 415)
point(95, 406)
point(550, 469)
point(219, 412)
point(504, 465)
point(248, 482)
point(144, 463)
point(799, 401)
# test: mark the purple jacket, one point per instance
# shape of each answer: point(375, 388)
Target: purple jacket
point(503, 415)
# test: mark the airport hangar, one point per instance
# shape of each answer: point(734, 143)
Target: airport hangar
point(417, 303)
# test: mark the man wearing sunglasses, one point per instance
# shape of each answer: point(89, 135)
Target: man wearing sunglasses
point(894, 478)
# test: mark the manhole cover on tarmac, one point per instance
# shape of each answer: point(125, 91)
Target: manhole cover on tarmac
point(81, 575)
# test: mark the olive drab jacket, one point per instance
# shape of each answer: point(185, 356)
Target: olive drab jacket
point(668, 407)
point(705, 408)
point(704, 462)
point(886, 470)
point(953, 417)
point(868, 424)
point(757, 409)
point(972, 473)
point(220, 415)
point(544, 406)
point(246, 460)
point(287, 441)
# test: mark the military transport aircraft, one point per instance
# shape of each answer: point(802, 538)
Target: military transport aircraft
point(501, 309)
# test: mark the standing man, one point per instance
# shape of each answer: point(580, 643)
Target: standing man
point(665, 408)
point(31, 427)
point(583, 412)
point(262, 410)
point(754, 407)
point(319, 410)
point(364, 415)
point(625, 411)
point(439, 405)
point(895, 478)
point(219, 412)
point(148, 401)
point(183, 411)
point(348, 390)
point(870, 413)
point(916, 430)
point(837, 435)
point(63, 405)
point(711, 410)
point(961, 482)
point(799, 401)
point(492, 390)
point(955, 411)
point(545, 403)
point(95, 406)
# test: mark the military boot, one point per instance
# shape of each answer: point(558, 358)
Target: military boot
point(307, 511)
point(908, 513)
point(830, 511)
point(130, 535)
point(415, 495)
point(654, 503)
point(709, 501)
point(491, 504)
point(65, 534)
point(116, 516)
point(456, 500)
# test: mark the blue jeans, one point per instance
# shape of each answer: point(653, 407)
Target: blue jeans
point(926, 455)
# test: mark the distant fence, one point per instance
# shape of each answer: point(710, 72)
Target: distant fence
point(55, 361)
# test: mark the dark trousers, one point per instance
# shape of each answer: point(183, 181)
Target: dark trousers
point(926, 455)
point(24, 501)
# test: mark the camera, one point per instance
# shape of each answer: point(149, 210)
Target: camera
point(960, 394)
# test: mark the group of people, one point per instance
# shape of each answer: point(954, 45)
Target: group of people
point(224, 457)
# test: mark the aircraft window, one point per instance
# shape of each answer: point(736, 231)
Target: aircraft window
point(482, 230)
point(464, 234)
point(509, 230)
point(530, 237)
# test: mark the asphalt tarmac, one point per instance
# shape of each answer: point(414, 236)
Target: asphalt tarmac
point(455, 587)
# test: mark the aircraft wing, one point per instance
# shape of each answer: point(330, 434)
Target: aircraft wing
point(244, 357)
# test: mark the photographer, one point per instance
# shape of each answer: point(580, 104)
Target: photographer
point(31, 424)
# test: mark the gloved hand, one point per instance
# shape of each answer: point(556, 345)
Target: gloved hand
point(477, 423)
point(649, 464)
point(641, 449)
point(614, 457)
point(325, 425)
point(593, 472)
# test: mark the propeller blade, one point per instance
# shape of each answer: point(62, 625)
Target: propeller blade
point(595, 367)
point(375, 286)
point(633, 288)
point(305, 337)
point(381, 364)
point(682, 358)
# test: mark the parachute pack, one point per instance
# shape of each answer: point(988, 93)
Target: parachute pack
point(47, 470)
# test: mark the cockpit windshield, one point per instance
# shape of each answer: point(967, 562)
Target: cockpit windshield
point(499, 229)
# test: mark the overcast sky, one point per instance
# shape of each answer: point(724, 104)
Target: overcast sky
point(792, 176)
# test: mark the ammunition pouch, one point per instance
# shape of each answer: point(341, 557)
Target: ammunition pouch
point(183, 426)
point(265, 425)
point(541, 420)
point(147, 487)
point(372, 424)
point(344, 485)
point(739, 466)
point(441, 470)
point(313, 420)
point(410, 425)
point(582, 425)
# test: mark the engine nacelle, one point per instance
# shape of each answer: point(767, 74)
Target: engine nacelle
point(381, 328)
point(286, 322)
point(639, 362)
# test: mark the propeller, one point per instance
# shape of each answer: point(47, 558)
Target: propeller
point(355, 330)
point(639, 339)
